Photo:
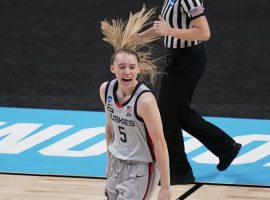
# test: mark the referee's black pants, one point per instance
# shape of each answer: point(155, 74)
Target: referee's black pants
point(184, 70)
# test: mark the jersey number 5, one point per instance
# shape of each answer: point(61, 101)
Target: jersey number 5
point(123, 137)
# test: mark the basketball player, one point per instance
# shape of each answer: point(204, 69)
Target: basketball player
point(137, 151)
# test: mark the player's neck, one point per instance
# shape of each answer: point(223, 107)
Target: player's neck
point(124, 93)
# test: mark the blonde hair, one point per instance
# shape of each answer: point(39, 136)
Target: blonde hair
point(120, 35)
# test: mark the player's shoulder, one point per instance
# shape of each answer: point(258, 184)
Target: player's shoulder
point(103, 85)
point(102, 89)
point(146, 98)
point(146, 104)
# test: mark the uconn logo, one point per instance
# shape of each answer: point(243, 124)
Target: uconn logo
point(19, 137)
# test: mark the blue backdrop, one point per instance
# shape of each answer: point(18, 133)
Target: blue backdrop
point(72, 143)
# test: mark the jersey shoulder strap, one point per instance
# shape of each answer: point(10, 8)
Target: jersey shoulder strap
point(143, 89)
point(107, 88)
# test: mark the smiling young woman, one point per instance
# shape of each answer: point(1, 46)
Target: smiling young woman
point(137, 151)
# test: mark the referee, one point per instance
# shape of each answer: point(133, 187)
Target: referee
point(184, 26)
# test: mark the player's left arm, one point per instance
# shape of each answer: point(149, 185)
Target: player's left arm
point(148, 110)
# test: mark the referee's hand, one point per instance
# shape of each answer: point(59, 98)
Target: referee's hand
point(161, 27)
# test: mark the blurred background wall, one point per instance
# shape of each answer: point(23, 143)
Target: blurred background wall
point(52, 55)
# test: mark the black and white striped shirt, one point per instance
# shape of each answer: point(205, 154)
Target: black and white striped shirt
point(179, 14)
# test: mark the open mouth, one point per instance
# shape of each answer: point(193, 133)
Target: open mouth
point(126, 80)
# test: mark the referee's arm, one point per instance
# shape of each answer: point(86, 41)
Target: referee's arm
point(199, 31)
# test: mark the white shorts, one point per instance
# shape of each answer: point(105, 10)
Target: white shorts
point(131, 180)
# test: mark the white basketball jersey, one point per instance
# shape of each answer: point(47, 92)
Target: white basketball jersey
point(130, 138)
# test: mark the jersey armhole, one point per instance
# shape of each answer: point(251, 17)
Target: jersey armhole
point(136, 102)
point(106, 91)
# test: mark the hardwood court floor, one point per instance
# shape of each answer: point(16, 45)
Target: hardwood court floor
point(23, 187)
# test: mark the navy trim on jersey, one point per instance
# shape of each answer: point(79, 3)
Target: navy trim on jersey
point(106, 91)
point(135, 105)
point(148, 138)
point(150, 144)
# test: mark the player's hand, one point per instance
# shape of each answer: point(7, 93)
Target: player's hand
point(164, 194)
point(108, 167)
point(161, 27)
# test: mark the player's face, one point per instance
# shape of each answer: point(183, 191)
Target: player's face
point(126, 69)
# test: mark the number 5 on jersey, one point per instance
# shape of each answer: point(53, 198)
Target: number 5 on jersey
point(123, 137)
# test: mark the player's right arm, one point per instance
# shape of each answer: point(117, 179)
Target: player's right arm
point(107, 126)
